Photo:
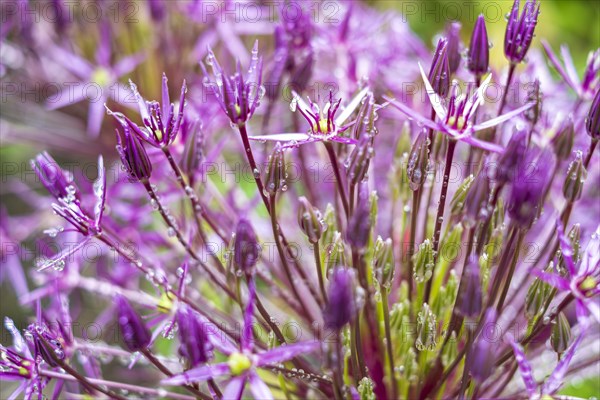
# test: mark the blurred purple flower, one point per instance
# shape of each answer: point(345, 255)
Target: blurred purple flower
point(519, 30)
point(242, 363)
point(585, 88)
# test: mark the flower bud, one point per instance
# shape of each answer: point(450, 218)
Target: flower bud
point(519, 31)
point(561, 334)
point(469, 301)
point(136, 335)
point(359, 225)
point(477, 200)
point(534, 96)
point(276, 175)
point(46, 344)
point(383, 260)
point(58, 183)
point(592, 121)
point(511, 161)
point(418, 162)
point(536, 298)
point(478, 60)
point(458, 200)
point(453, 46)
point(365, 119)
point(192, 151)
point(576, 175)
point(341, 305)
point(439, 73)
point(426, 329)
point(359, 160)
point(423, 262)
point(246, 248)
point(193, 340)
point(482, 363)
point(133, 155)
point(564, 139)
point(310, 221)
point(528, 189)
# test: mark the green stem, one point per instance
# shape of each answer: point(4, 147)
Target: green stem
point(388, 339)
point(317, 255)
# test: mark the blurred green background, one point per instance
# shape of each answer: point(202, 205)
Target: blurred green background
point(572, 22)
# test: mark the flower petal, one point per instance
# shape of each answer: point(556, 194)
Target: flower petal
point(498, 120)
point(355, 102)
point(524, 366)
point(235, 388)
point(553, 279)
point(286, 352)
point(483, 145)
point(555, 380)
point(198, 374)
point(570, 66)
point(557, 65)
point(434, 98)
point(284, 137)
point(259, 389)
point(409, 112)
point(343, 140)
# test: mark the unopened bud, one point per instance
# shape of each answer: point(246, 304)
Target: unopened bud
point(310, 220)
point(383, 260)
point(359, 160)
point(426, 329)
point(576, 175)
point(439, 74)
point(458, 200)
point(479, 49)
point(418, 162)
point(423, 262)
point(592, 122)
point(469, 301)
point(561, 334)
point(246, 248)
point(340, 306)
point(275, 179)
point(563, 140)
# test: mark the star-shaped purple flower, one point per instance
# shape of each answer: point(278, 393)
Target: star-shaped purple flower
point(242, 363)
point(582, 281)
point(324, 125)
point(456, 117)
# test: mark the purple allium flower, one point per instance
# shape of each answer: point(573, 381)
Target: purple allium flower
point(439, 73)
point(582, 280)
point(103, 75)
point(246, 247)
point(133, 155)
point(237, 95)
point(160, 121)
point(136, 335)
point(194, 344)
point(483, 356)
point(69, 208)
point(243, 362)
point(341, 307)
point(456, 116)
point(454, 46)
point(469, 302)
point(324, 125)
point(592, 121)
point(591, 81)
point(519, 30)
point(479, 49)
point(19, 364)
point(556, 378)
